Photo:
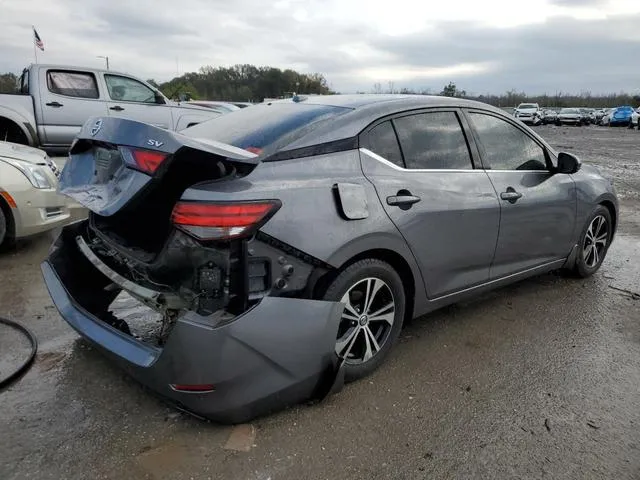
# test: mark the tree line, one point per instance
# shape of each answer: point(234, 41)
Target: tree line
point(243, 83)
point(513, 98)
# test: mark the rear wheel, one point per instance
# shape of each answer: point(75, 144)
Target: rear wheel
point(594, 242)
point(374, 300)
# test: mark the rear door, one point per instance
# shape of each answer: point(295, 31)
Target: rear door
point(68, 98)
point(132, 99)
point(538, 207)
point(447, 211)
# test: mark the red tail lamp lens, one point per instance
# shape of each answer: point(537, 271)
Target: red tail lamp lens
point(210, 221)
point(148, 161)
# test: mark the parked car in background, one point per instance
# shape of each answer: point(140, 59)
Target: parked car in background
point(29, 201)
point(549, 116)
point(621, 116)
point(635, 119)
point(599, 114)
point(268, 296)
point(607, 116)
point(570, 116)
point(528, 113)
point(54, 101)
point(588, 116)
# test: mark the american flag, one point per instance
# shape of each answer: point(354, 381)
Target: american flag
point(36, 38)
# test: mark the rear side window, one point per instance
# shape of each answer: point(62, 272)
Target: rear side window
point(382, 140)
point(72, 84)
point(265, 128)
point(505, 146)
point(433, 141)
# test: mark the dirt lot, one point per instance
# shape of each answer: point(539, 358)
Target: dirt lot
point(536, 380)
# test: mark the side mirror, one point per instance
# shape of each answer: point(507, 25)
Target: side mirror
point(568, 163)
point(159, 99)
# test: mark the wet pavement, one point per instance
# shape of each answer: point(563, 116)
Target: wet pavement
point(537, 380)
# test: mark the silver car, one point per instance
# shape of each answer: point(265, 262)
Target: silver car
point(29, 202)
point(283, 246)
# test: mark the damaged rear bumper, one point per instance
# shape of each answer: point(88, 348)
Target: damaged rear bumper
point(278, 353)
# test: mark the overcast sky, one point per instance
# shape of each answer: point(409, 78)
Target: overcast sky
point(485, 46)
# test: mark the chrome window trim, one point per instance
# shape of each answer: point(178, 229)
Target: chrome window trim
point(386, 162)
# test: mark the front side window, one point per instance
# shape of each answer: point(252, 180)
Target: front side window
point(72, 84)
point(433, 141)
point(505, 146)
point(382, 140)
point(124, 89)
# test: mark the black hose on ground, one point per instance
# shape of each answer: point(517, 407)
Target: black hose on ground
point(5, 382)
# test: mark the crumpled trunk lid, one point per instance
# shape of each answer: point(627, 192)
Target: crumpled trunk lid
point(102, 174)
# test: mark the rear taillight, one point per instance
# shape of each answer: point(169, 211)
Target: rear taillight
point(223, 220)
point(147, 161)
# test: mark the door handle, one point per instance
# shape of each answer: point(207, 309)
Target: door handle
point(402, 200)
point(117, 108)
point(510, 195)
point(54, 104)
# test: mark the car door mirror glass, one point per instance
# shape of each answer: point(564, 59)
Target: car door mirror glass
point(568, 163)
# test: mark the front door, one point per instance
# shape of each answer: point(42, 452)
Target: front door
point(446, 210)
point(538, 207)
point(132, 99)
point(68, 99)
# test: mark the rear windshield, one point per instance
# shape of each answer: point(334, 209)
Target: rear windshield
point(265, 128)
point(527, 105)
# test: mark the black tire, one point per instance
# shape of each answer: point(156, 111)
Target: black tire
point(7, 239)
point(3, 227)
point(349, 282)
point(585, 265)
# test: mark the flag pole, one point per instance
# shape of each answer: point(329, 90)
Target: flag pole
point(35, 52)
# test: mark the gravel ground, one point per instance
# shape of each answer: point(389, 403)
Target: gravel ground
point(536, 380)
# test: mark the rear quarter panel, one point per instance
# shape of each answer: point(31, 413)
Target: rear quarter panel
point(309, 218)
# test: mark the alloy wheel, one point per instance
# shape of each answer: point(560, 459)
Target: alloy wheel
point(367, 320)
point(595, 241)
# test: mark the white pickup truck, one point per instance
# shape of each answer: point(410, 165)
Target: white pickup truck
point(54, 101)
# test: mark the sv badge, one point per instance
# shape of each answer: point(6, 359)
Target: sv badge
point(154, 143)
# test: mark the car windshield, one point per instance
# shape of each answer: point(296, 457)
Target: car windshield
point(264, 128)
point(569, 110)
point(527, 105)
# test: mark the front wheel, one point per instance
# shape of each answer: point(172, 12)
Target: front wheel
point(594, 242)
point(374, 305)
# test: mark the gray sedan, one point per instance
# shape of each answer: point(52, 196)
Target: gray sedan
point(284, 245)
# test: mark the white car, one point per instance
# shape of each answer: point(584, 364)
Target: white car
point(528, 113)
point(634, 118)
point(29, 201)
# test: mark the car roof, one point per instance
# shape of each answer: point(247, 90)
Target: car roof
point(366, 109)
